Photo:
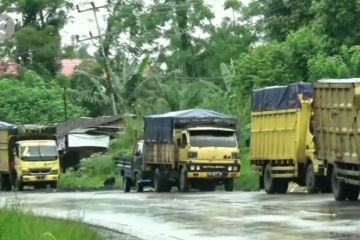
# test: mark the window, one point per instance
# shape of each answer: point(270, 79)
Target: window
point(212, 138)
point(39, 153)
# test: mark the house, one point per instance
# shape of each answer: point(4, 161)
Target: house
point(68, 66)
point(80, 137)
point(8, 67)
point(11, 67)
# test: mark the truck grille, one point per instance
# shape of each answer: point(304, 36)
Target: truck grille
point(211, 168)
point(40, 171)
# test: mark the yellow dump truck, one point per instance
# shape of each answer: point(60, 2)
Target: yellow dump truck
point(282, 142)
point(193, 148)
point(28, 156)
point(337, 117)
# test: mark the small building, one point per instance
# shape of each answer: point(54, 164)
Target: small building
point(8, 67)
point(80, 137)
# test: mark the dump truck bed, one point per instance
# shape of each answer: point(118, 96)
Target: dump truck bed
point(337, 116)
point(279, 122)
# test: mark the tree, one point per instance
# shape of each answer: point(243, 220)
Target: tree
point(278, 18)
point(339, 21)
point(37, 40)
point(34, 100)
point(343, 65)
point(164, 29)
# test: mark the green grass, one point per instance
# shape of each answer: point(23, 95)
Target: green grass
point(249, 180)
point(18, 225)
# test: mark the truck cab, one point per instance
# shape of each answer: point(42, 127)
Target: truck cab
point(28, 156)
point(210, 153)
point(36, 163)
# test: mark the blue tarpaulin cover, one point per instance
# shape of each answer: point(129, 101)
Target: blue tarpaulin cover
point(280, 97)
point(160, 128)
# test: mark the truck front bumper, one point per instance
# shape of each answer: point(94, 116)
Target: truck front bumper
point(40, 178)
point(215, 175)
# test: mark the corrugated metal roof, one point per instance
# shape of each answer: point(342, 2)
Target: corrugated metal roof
point(65, 127)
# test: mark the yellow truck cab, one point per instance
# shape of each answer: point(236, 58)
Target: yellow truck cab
point(193, 148)
point(28, 156)
point(282, 139)
point(208, 153)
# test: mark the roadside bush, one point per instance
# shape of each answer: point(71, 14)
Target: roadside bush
point(249, 180)
point(94, 170)
point(16, 224)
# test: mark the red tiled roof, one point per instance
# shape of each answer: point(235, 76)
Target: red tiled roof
point(68, 66)
point(8, 67)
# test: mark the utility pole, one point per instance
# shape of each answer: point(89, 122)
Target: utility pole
point(106, 64)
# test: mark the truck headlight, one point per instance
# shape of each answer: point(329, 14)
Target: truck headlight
point(192, 167)
point(230, 168)
point(235, 155)
point(235, 168)
point(198, 168)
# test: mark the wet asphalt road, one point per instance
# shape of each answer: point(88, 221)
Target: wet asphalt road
point(216, 215)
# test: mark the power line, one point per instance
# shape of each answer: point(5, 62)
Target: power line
point(106, 64)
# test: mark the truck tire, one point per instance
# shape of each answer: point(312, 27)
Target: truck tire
point(126, 184)
point(352, 192)
point(312, 181)
point(184, 181)
point(269, 181)
point(338, 187)
point(158, 181)
point(53, 185)
point(139, 186)
point(5, 183)
point(229, 185)
point(20, 186)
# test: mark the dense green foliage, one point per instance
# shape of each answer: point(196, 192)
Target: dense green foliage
point(94, 170)
point(16, 224)
point(34, 100)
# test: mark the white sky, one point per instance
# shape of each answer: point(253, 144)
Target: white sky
point(82, 23)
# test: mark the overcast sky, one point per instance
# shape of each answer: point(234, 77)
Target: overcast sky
point(82, 23)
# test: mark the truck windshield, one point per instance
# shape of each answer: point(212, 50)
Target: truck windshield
point(39, 153)
point(214, 138)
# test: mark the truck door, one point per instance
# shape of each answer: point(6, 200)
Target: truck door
point(183, 144)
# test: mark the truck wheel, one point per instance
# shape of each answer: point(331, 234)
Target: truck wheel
point(126, 184)
point(5, 184)
point(229, 185)
point(53, 185)
point(139, 186)
point(352, 192)
point(338, 188)
point(184, 181)
point(281, 185)
point(20, 186)
point(312, 181)
point(158, 181)
point(269, 181)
